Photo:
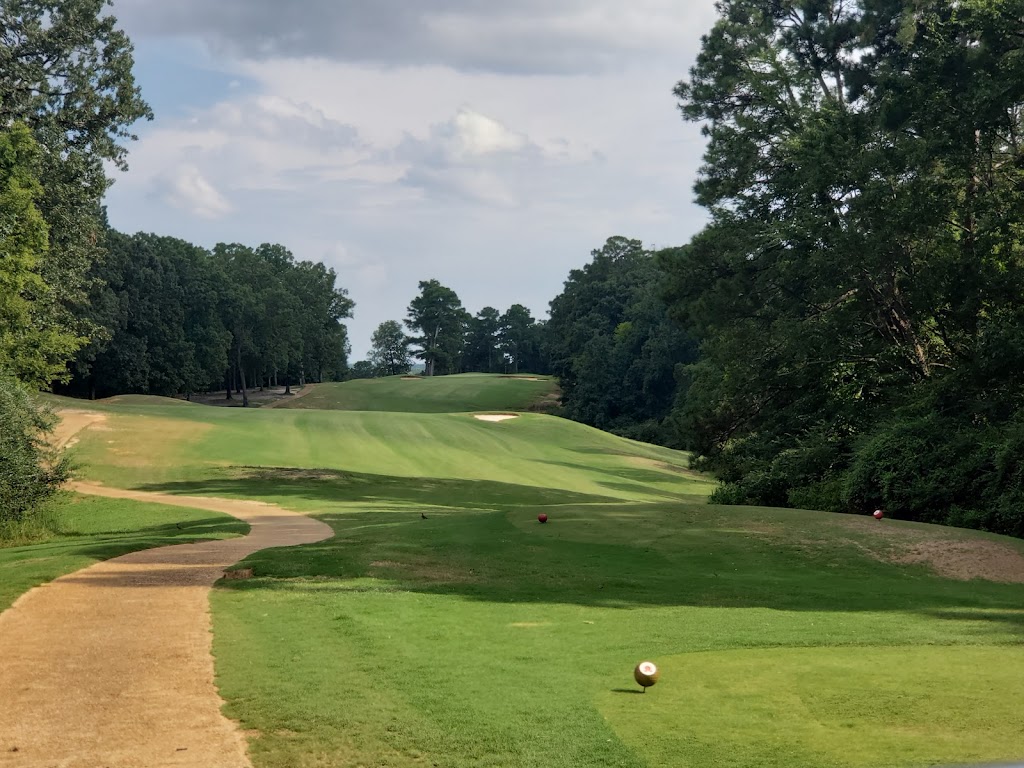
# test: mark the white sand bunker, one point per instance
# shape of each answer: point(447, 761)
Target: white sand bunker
point(495, 416)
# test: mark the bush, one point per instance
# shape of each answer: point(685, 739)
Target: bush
point(729, 493)
point(30, 470)
point(942, 470)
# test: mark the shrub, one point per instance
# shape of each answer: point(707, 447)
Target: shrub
point(30, 470)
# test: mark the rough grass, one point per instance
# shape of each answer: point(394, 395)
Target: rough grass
point(479, 637)
point(438, 394)
point(93, 529)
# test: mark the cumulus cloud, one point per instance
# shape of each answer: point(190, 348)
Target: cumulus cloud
point(490, 146)
point(471, 156)
point(186, 188)
point(515, 36)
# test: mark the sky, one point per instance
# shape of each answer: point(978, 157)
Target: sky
point(491, 146)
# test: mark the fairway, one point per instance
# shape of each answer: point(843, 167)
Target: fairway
point(438, 394)
point(443, 625)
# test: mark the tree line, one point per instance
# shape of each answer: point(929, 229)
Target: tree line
point(178, 319)
point(448, 339)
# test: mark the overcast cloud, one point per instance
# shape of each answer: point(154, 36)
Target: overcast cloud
point(489, 147)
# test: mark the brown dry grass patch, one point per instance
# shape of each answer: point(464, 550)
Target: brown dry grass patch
point(945, 551)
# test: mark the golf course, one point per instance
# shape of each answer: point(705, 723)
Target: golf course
point(442, 624)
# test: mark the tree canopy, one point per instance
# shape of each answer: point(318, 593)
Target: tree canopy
point(390, 350)
point(862, 274)
point(437, 315)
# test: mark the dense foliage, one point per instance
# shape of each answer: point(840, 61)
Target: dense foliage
point(31, 471)
point(858, 293)
point(389, 353)
point(451, 340)
point(66, 73)
point(181, 319)
point(613, 345)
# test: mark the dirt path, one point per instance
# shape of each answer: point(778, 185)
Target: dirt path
point(111, 666)
point(73, 421)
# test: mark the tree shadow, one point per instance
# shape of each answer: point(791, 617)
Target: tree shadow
point(650, 480)
point(479, 543)
point(337, 486)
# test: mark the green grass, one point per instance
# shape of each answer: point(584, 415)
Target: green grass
point(421, 458)
point(93, 529)
point(478, 637)
point(438, 394)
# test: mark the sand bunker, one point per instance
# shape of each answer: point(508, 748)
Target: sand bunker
point(495, 416)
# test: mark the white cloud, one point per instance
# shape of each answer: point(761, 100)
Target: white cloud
point(474, 134)
point(513, 37)
point(494, 183)
point(188, 189)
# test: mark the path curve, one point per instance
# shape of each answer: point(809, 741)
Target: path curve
point(111, 665)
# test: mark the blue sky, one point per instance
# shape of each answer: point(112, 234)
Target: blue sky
point(491, 147)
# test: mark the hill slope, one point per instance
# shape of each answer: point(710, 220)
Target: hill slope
point(438, 394)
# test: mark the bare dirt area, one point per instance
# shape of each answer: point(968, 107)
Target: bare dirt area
point(73, 421)
point(954, 558)
point(112, 666)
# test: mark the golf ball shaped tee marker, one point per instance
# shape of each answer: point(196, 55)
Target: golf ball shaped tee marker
point(646, 674)
point(878, 514)
point(542, 517)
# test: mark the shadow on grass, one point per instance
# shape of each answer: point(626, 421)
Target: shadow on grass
point(480, 544)
point(652, 481)
point(334, 486)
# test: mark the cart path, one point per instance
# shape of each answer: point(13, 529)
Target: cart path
point(111, 666)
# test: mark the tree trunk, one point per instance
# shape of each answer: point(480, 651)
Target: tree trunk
point(241, 373)
point(227, 383)
point(302, 375)
point(92, 388)
point(287, 385)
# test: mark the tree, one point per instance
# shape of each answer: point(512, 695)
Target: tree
point(519, 338)
point(482, 350)
point(390, 349)
point(362, 369)
point(864, 263)
point(66, 72)
point(32, 347)
point(438, 316)
point(613, 346)
point(159, 301)
point(31, 470)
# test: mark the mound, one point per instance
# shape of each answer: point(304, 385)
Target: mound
point(438, 394)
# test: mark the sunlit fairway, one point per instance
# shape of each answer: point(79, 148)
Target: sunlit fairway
point(439, 394)
point(479, 637)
